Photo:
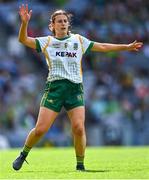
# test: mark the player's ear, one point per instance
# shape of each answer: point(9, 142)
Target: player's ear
point(51, 27)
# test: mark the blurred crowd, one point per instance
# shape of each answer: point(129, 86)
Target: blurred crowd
point(116, 85)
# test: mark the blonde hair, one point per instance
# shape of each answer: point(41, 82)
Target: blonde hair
point(60, 12)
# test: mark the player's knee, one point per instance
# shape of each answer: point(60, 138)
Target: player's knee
point(40, 131)
point(78, 130)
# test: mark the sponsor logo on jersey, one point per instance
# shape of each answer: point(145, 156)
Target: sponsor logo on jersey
point(66, 54)
point(56, 45)
point(75, 46)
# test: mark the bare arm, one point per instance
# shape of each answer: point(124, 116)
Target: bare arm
point(105, 47)
point(23, 36)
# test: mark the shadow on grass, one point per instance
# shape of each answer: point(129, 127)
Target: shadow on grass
point(96, 171)
point(86, 171)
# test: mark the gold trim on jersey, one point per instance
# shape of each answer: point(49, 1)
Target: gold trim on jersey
point(81, 71)
point(81, 42)
point(47, 44)
point(44, 50)
point(47, 58)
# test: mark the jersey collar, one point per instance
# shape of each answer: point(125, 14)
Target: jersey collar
point(61, 39)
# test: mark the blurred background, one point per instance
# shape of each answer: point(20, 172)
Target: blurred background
point(116, 85)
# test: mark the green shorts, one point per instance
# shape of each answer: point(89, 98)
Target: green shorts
point(62, 93)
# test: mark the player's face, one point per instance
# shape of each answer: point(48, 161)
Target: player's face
point(61, 24)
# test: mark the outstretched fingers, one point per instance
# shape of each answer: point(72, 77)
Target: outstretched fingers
point(27, 8)
point(30, 13)
point(24, 12)
point(21, 9)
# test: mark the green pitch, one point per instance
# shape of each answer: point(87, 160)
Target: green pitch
point(59, 163)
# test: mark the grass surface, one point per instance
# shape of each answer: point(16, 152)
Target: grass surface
point(59, 163)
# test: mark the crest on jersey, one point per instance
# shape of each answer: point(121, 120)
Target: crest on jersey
point(75, 46)
point(65, 45)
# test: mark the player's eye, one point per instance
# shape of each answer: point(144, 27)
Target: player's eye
point(65, 20)
point(60, 21)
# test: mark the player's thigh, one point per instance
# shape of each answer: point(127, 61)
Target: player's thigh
point(46, 118)
point(77, 116)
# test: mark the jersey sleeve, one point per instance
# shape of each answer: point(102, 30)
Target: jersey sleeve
point(86, 44)
point(42, 43)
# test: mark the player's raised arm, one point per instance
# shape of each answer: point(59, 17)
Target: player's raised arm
point(106, 47)
point(23, 37)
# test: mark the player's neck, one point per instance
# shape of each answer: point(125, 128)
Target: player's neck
point(61, 35)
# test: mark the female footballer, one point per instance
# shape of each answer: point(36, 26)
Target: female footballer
point(63, 53)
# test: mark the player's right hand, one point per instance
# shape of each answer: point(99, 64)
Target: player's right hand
point(24, 13)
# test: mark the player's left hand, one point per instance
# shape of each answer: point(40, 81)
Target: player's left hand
point(135, 46)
